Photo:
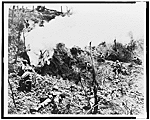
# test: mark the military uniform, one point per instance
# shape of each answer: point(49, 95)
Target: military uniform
point(117, 68)
point(26, 79)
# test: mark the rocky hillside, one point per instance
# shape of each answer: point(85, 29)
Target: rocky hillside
point(124, 95)
point(75, 80)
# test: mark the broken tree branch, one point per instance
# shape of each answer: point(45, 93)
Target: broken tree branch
point(24, 41)
point(12, 94)
point(94, 83)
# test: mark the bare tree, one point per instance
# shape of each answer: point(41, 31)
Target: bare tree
point(94, 83)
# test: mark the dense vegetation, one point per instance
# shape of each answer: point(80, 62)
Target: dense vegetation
point(85, 80)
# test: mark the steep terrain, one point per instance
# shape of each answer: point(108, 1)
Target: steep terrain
point(65, 85)
point(124, 95)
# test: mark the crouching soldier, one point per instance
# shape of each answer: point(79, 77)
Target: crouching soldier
point(137, 61)
point(25, 83)
point(41, 24)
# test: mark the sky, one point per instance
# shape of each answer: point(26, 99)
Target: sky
point(89, 22)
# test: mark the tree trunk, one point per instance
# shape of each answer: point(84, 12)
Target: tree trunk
point(61, 9)
point(94, 83)
point(24, 41)
point(17, 52)
point(12, 16)
point(96, 100)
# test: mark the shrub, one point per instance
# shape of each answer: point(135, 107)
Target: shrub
point(132, 46)
point(121, 53)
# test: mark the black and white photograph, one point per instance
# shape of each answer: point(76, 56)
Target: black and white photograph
point(74, 59)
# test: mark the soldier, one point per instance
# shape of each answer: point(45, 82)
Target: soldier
point(137, 61)
point(41, 24)
point(42, 58)
point(54, 98)
point(27, 23)
point(24, 55)
point(117, 68)
point(124, 70)
point(26, 79)
point(115, 45)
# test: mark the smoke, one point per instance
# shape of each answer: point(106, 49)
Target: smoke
point(130, 35)
point(96, 24)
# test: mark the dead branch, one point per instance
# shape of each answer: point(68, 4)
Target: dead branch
point(94, 83)
point(12, 94)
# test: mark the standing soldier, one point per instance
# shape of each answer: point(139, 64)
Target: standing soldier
point(117, 68)
point(115, 46)
point(27, 23)
point(41, 58)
